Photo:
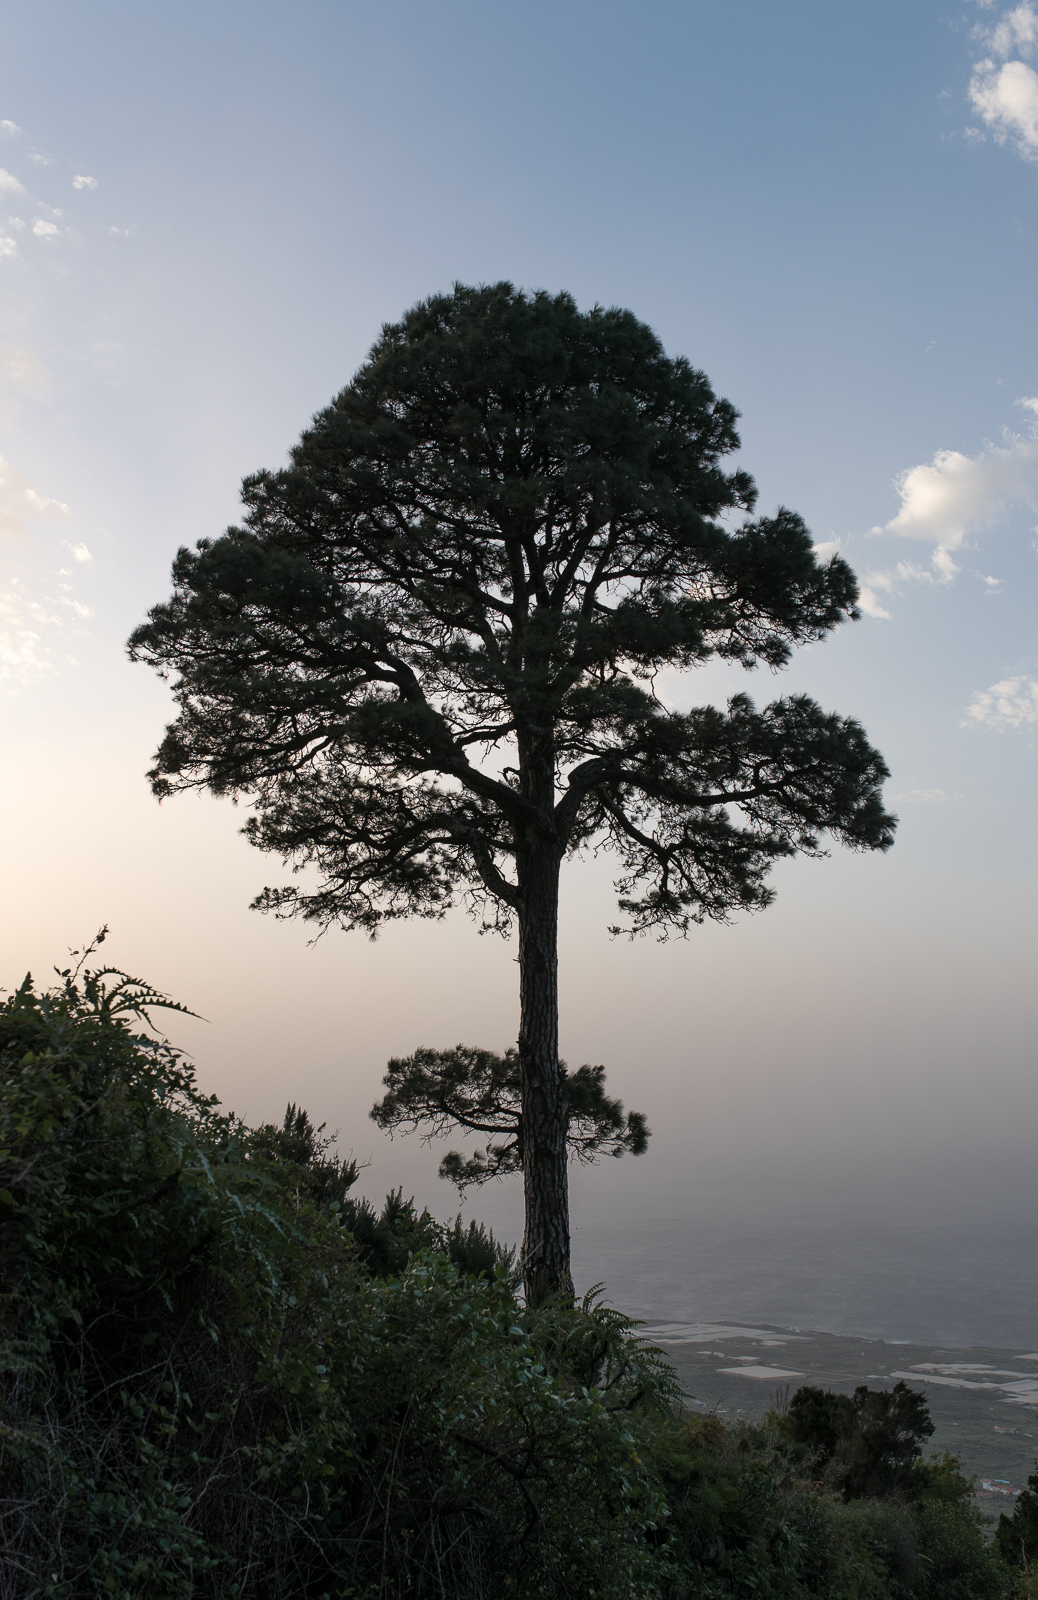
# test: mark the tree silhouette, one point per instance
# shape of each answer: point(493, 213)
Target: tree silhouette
point(428, 657)
point(870, 1442)
point(441, 1090)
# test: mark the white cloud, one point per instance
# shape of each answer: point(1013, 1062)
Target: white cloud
point(9, 183)
point(920, 797)
point(1013, 703)
point(11, 129)
point(1006, 98)
point(948, 499)
point(19, 500)
point(8, 247)
point(16, 222)
point(22, 652)
point(868, 601)
point(1004, 92)
point(40, 503)
point(1015, 30)
point(81, 181)
point(78, 552)
point(888, 581)
point(44, 230)
point(40, 158)
point(26, 618)
point(946, 502)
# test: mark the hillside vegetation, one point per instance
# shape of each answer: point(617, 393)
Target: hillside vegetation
point(222, 1376)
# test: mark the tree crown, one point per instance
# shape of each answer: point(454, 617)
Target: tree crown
point(481, 1092)
point(433, 640)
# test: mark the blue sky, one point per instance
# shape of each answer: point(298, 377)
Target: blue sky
point(206, 212)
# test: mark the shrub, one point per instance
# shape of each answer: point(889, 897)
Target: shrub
point(867, 1443)
point(1017, 1539)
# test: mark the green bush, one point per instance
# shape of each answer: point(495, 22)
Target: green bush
point(386, 1239)
point(866, 1444)
point(1017, 1539)
point(223, 1376)
point(745, 1520)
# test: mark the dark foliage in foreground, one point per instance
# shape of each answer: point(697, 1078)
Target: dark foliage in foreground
point(384, 1240)
point(1017, 1538)
point(869, 1441)
point(221, 1376)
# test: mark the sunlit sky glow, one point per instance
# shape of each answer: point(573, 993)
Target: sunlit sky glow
point(205, 215)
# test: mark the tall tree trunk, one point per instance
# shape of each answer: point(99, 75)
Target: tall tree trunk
point(546, 1267)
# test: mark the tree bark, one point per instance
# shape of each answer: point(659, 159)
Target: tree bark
point(546, 1264)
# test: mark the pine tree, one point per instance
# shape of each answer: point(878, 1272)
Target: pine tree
point(428, 657)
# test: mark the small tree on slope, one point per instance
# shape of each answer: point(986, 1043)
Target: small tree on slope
point(428, 657)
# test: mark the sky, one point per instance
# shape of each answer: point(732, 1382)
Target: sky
point(831, 206)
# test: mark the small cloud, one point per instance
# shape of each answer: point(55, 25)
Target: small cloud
point(44, 230)
point(40, 158)
point(884, 582)
point(1016, 30)
point(39, 502)
point(9, 184)
point(22, 652)
point(8, 247)
point(920, 797)
point(868, 599)
point(1007, 99)
point(49, 211)
point(946, 568)
point(992, 585)
point(1013, 703)
point(19, 500)
point(28, 619)
point(16, 222)
point(78, 552)
point(955, 496)
point(888, 581)
point(81, 181)
point(10, 130)
point(124, 233)
point(827, 549)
